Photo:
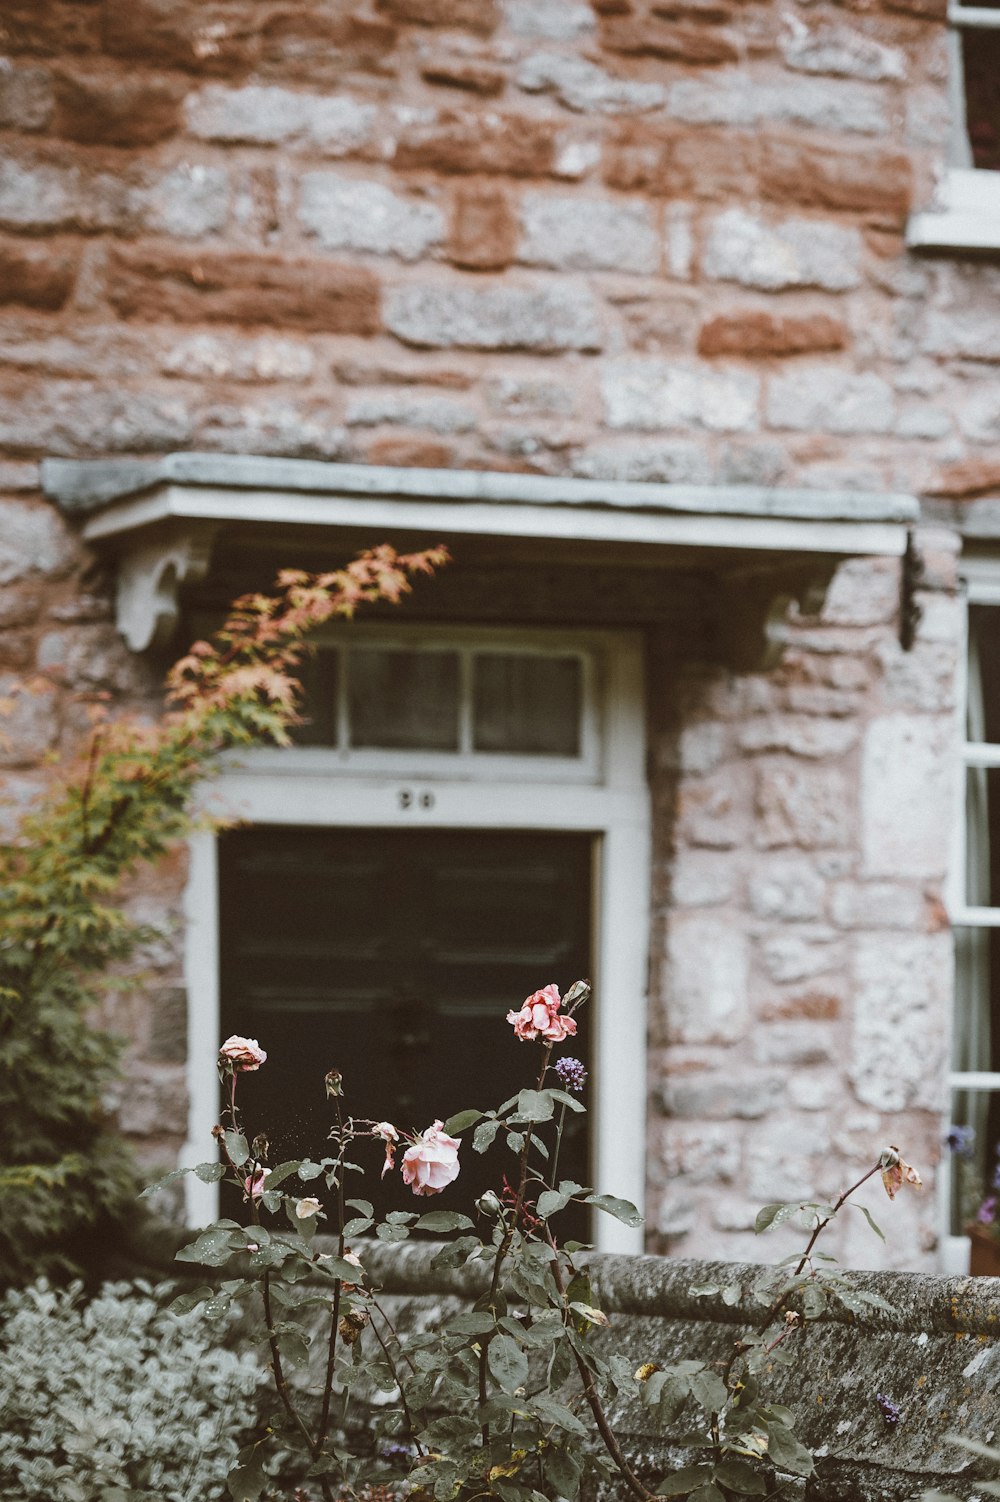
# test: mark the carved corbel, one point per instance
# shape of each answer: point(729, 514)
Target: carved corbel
point(151, 574)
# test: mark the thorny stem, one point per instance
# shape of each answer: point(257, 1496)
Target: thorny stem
point(590, 1392)
point(331, 1356)
point(505, 1241)
point(395, 1373)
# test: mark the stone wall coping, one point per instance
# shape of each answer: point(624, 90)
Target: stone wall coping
point(661, 1287)
point(90, 485)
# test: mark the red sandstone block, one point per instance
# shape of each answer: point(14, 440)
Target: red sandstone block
point(821, 177)
point(115, 109)
point(228, 287)
point(320, 45)
point(676, 41)
point(483, 232)
point(218, 38)
point(755, 332)
point(464, 73)
point(48, 27)
point(967, 479)
point(471, 15)
point(37, 277)
point(642, 157)
point(515, 145)
point(410, 453)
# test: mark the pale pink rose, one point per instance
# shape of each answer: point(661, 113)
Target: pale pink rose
point(431, 1163)
point(390, 1137)
point(306, 1207)
point(254, 1183)
point(539, 1017)
point(243, 1055)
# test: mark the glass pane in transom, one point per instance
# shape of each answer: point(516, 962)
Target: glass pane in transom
point(404, 700)
point(527, 703)
point(318, 672)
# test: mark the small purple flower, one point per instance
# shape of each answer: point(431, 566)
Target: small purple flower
point(960, 1140)
point(572, 1074)
point(891, 1412)
point(987, 1212)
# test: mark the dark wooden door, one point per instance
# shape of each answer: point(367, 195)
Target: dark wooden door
point(393, 957)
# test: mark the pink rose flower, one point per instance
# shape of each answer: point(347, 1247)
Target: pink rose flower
point(243, 1055)
point(254, 1183)
point(431, 1163)
point(539, 1017)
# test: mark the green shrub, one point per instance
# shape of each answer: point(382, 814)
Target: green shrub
point(117, 1398)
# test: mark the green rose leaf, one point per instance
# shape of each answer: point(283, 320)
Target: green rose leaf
point(508, 1363)
point(622, 1210)
point(461, 1122)
point(210, 1173)
point(786, 1452)
point(533, 1105)
point(237, 1147)
point(684, 1481)
point(443, 1220)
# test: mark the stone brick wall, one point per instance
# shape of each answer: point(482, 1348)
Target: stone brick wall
point(654, 242)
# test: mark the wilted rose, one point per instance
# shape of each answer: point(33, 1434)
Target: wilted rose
point(431, 1164)
point(254, 1182)
point(896, 1172)
point(307, 1207)
point(539, 1017)
point(242, 1055)
point(390, 1137)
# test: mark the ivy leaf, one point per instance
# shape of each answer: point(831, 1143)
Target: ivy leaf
point(461, 1122)
point(622, 1210)
point(507, 1362)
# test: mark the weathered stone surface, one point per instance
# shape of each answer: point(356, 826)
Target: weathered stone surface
point(794, 1044)
point(963, 333)
point(811, 807)
point(759, 332)
point(657, 394)
point(350, 214)
point(587, 234)
point(553, 20)
point(743, 98)
point(99, 109)
point(475, 15)
point(863, 592)
point(210, 38)
point(801, 735)
point(36, 276)
point(190, 201)
point(72, 417)
point(710, 811)
point(333, 125)
point(26, 97)
point(706, 979)
point(800, 955)
point(702, 878)
point(679, 461)
point(501, 317)
point(583, 86)
point(784, 1162)
point(213, 287)
point(29, 721)
point(830, 399)
point(706, 1153)
point(436, 413)
point(794, 253)
point(900, 1039)
point(719, 1094)
point(856, 181)
point(154, 1104)
point(458, 141)
point(33, 540)
point(168, 1026)
point(669, 37)
point(841, 51)
point(467, 73)
point(965, 479)
point(786, 887)
point(906, 796)
point(515, 396)
point(483, 230)
point(221, 357)
point(877, 904)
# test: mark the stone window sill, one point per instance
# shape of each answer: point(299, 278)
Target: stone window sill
point(965, 214)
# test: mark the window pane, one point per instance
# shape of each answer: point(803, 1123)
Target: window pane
point(318, 673)
point(981, 66)
point(984, 674)
point(402, 700)
point(982, 848)
point(975, 1156)
point(526, 703)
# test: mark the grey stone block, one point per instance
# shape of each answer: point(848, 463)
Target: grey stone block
point(583, 86)
point(333, 125)
point(550, 318)
point(829, 399)
point(33, 540)
point(744, 98)
point(793, 253)
point(657, 394)
point(348, 214)
point(587, 234)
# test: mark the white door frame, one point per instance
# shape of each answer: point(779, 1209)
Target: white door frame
point(614, 808)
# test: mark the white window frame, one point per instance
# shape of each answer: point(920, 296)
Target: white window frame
point(981, 578)
point(313, 787)
point(965, 214)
